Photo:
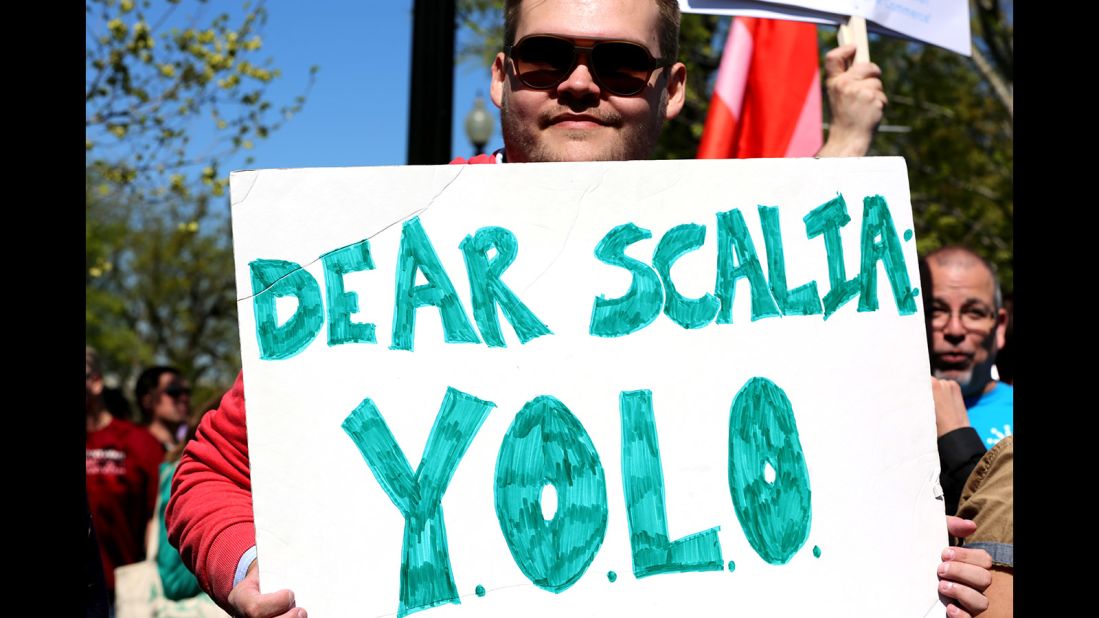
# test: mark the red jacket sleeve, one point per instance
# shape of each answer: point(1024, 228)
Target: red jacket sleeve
point(488, 158)
point(209, 516)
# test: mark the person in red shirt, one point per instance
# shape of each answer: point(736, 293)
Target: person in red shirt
point(121, 473)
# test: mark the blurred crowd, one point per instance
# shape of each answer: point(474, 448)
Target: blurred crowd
point(131, 452)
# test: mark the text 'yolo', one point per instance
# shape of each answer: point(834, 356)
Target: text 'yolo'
point(547, 445)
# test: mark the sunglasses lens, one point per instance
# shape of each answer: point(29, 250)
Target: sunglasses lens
point(542, 62)
point(620, 67)
point(623, 68)
point(174, 391)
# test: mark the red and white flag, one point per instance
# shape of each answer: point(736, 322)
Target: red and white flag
point(766, 99)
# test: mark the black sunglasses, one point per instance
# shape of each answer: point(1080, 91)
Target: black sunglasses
point(175, 390)
point(543, 61)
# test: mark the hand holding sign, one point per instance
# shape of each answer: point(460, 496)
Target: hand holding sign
point(964, 573)
point(248, 602)
point(857, 101)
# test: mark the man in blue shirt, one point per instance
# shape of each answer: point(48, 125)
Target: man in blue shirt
point(968, 323)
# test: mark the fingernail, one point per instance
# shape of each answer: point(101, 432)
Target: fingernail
point(946, 586)
point(291, 598)
point(943, 568)
point(948, 554)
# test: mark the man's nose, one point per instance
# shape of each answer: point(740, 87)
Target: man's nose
point(954, 331)
point(580, 83)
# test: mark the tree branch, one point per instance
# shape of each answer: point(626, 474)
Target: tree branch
point(1003, 90)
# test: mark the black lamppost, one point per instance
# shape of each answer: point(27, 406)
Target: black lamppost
point(432, 87)
point(479, 125)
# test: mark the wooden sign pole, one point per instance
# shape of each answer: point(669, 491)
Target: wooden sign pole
point(854, 31)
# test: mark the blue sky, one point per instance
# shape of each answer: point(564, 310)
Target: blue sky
point(357, 112)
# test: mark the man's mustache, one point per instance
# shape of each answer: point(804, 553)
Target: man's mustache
point(608, 118)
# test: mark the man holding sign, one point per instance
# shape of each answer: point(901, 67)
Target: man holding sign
point(580, 80)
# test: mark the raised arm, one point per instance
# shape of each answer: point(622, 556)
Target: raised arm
point(856, 100)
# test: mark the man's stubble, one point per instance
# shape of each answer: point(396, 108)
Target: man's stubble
point(979, 376)
point(635, 143)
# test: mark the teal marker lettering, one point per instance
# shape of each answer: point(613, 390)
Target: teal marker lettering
point(426, 576)
point(643, 487)
point(487, 289)
point(417, 255)
point(342, 304)
point(776, 516)
point(827, 219)
point(877, 223)
point(273, 279)
point(687, 312)
point(802, 300)
point(547, 445)
point(733, 239)
point(642, 302)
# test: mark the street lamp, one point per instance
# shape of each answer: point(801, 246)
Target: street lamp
point(479, 125)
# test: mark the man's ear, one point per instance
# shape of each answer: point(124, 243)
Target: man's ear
point(676, 90)
point(1001, 328)
point(499, 76)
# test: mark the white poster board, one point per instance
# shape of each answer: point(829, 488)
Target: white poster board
point(822, 429)
point(940, 22)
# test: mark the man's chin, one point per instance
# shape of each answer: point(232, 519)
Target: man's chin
point(963, 378)
point(583, 147)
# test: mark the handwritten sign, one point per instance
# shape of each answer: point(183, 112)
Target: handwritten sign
point(940, 22)
point(599, 389)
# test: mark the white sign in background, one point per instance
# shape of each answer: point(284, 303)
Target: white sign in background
point(857, 384)
point(940, 22)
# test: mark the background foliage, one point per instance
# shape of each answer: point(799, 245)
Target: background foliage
point(172, 88)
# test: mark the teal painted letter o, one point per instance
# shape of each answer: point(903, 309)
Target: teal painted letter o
point(775, 516)
point(546, 444)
